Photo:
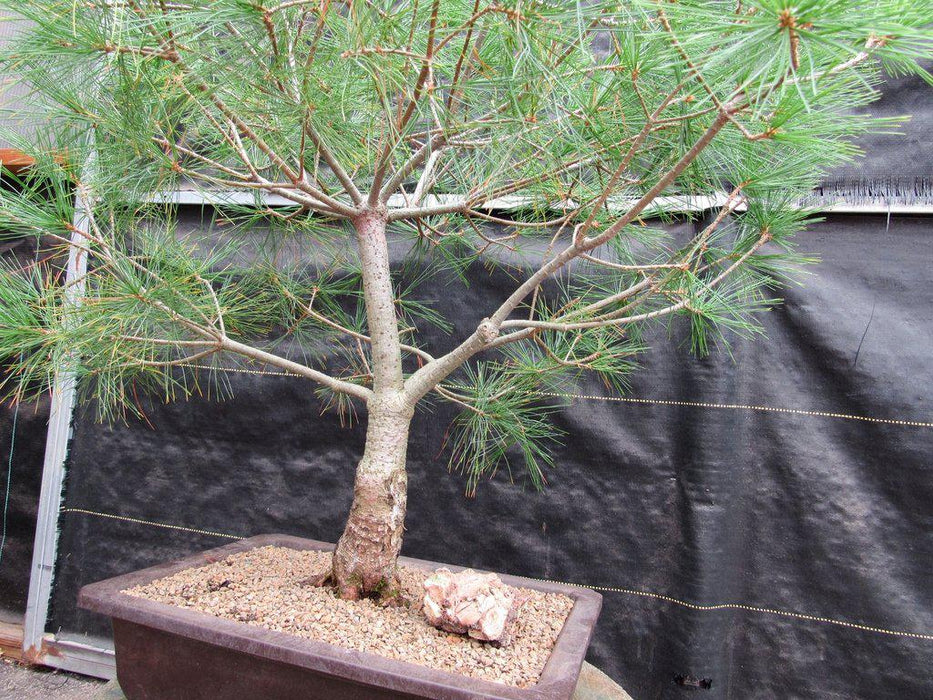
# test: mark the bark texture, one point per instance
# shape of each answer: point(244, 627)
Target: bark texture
point(367, 552)
point(366, 555)
point(379, 297)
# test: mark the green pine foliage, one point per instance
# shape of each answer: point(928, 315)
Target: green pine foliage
point(498, 133)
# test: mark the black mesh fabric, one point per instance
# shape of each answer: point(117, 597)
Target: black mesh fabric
point(793, 476)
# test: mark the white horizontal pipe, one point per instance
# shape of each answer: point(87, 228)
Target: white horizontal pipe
point(674, 203)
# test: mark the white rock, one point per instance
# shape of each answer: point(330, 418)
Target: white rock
point(471, 603)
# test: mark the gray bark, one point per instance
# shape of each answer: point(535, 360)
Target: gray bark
point(366, 554)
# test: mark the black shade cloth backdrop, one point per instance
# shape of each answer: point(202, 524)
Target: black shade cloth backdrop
point(23, 473)
point(22, 451)
point(707, 504)
point(899, 160)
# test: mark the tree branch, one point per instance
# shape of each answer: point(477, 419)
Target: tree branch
point(408, 167)
point(338, 385)
point(336, 207)
point(217, 336)
point(404, 115)
point(626, 320)
point(334, 164)
point(425, 378)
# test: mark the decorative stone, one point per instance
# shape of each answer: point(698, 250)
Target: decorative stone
point(471, 603)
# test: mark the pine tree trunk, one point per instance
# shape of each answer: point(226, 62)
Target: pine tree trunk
point(366, 555)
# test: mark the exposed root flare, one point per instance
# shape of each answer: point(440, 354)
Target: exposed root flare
point(318, 580)
point(367, 553)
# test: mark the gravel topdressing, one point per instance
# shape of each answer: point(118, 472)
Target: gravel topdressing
point(268, 587)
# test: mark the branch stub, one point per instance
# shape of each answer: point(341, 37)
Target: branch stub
point(488, 331)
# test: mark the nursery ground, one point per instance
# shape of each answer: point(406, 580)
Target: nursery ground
point(19, 682)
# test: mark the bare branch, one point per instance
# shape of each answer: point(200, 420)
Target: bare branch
point(338, 385)
point(627, 320)
point(427, 176)
point(451, 206)
point(334, 164)
point(409, 166)
point(220, 313)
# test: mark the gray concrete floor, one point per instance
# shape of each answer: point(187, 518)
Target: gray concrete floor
point(22, 683)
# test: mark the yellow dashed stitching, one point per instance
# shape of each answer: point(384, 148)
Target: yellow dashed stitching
point(738, 406)
point(740, 606)
point(138, 521)
point(655, 402)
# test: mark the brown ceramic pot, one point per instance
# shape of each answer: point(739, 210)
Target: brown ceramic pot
point(169, 653)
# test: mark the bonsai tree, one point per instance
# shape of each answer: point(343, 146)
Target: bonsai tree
point(536, 137)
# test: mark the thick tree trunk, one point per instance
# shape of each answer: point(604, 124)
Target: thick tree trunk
point(366, 555)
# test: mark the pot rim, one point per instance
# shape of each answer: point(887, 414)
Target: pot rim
point(558, 678)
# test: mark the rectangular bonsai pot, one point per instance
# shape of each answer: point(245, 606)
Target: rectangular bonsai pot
point(170, 653)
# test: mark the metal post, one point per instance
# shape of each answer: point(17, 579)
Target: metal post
point(56, 452)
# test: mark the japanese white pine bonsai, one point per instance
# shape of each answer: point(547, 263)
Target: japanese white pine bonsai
point(534, 136)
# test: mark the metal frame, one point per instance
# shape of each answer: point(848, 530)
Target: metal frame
point(673, 203)
point(97, 659)
point(38, 646)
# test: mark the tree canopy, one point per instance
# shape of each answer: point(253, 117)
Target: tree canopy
point(488, 132)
